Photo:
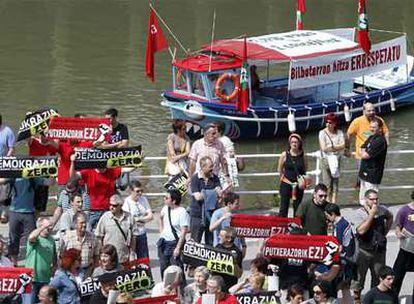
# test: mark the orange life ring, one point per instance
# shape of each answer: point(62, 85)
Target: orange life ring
point(220, 81)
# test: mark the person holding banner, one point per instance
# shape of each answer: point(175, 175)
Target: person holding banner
point(108, 261)
point(119, 137)
point(173, 226)
point(292, 168)
point(221, 218)
point(7, 139)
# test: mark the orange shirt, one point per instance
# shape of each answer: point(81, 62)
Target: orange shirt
point(359, 128)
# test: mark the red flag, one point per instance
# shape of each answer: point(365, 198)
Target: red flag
point(243, 99)
point(301, 9)
point(363, 38)
point(156, 41)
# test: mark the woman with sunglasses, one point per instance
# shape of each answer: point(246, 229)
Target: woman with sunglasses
point(320, 292)
point(292, 169)
point(139, 208)
point(178, 148)
point(332, 145)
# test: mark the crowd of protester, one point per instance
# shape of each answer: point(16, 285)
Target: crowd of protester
point(96, 230)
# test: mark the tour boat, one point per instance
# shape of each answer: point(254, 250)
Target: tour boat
point(307, 74)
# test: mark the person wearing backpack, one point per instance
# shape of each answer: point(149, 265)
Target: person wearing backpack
point(342, 230)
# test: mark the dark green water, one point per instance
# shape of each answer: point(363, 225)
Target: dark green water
point(88, 55)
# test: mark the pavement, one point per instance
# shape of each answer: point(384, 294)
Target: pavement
point(253, 248)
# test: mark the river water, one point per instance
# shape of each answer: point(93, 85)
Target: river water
point(88, 55)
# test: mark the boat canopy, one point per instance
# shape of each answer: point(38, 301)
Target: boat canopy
point(273, 48)
point(289, 46)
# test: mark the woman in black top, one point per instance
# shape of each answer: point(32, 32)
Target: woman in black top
point(292, 164)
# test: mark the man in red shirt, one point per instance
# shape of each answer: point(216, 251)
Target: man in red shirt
point(217, 287)
point(101, 186)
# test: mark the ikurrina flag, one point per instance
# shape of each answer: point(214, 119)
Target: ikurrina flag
point(301, 9)
point(262, 226)
point(156, 41)
point(243, 100)
point(316, 248)
point(363, 37)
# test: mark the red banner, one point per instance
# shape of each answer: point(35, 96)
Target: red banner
point(76, 128)
point(157, 300)
point(261, 226)
point(15, 280)
point(317, 248)
point(135, 263)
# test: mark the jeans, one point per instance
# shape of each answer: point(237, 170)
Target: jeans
point(94, 217)
point(142, 246)
point(165, 253)
point(403, 263)
point(198, 227)
point(372, 260)
point(20, 226)
point(285, 192)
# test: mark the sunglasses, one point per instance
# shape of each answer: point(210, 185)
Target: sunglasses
point(317, 292)
point(139, 191)
point(113, 205)
point(322, 195)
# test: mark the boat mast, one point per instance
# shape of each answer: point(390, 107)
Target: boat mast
point(212, 39)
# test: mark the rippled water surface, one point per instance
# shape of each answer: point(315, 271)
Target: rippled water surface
point(88, 55)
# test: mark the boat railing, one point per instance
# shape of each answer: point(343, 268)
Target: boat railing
point(154, 182)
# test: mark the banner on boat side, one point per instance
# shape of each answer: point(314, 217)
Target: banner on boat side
point(28, 166)
point(36, 123)
point(15, 280)
point(108, 158)
point(133, 280)
point(178, 182)
point(334, 68)
point(316, 248)
point(216, 260)
point(261, 226)
point(265, 297)
point(157, 300)
point(77, 128)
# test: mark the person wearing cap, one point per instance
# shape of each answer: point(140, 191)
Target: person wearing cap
point(332, 145)
point(210, 146)
point(115, 227)
point(292, 167)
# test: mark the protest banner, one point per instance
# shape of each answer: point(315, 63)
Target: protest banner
point(28, 166)
point(132, 280)
point(15, 280)
point(35, 123)
point(77, 128)
point(136, 263)
point(261, 226)
point(214, 259)
point(108, 158)
point(264, 297)
point(178, 182)
point(316, 248)
point(157, 300)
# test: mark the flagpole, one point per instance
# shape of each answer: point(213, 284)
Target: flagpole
point(169, 30)
point(212, 39)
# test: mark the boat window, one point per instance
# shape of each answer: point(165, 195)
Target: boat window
point(181, 80)
point(227, 84)
point(197, 86)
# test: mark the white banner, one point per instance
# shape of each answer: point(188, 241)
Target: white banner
point(334, 68)
point(303, 43)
